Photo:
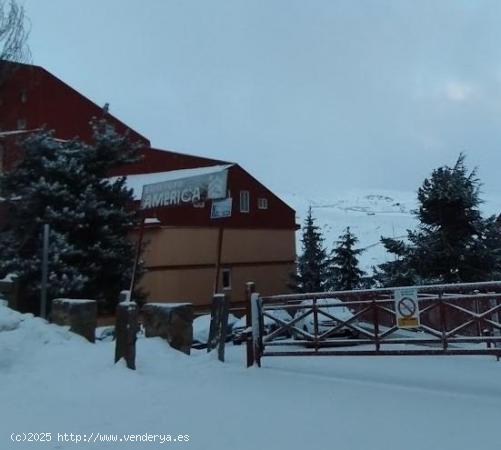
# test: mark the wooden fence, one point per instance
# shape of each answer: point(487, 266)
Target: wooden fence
point(457, 319)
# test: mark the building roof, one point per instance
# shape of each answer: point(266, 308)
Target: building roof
point(155, 160)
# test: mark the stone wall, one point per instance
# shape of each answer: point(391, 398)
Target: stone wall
point(170, 321)
point(79, 315)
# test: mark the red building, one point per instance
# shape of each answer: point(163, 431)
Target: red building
point(259, 238)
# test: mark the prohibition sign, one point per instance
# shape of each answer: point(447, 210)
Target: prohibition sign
point(407, 307)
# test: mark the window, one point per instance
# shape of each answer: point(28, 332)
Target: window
point(226, 278)
point(21, 124)
point(244, 201)
point(262, 203)
point(24, 97)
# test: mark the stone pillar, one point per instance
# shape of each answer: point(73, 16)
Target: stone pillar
point(79, 315)
point(9, 289)
point(170, 321)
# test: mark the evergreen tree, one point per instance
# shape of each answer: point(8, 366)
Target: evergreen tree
point(65, 184)
point(397, 272)
point(344, 272)
point(312, 264)
point(452, 243)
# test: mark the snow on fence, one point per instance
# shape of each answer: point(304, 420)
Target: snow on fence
point(456, 319)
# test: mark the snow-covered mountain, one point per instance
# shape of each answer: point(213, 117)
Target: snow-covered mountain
point(369, 214)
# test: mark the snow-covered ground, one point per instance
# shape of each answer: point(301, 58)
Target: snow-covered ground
point(370, 215)
point(53, 381)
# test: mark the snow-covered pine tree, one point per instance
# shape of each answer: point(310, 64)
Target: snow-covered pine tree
point(344, 273)
point(36, 192)
point(312, 264)
point(106, 204)
point(65, 184)
point(453, 243)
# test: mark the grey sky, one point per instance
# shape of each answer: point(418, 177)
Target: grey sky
point(310, 96)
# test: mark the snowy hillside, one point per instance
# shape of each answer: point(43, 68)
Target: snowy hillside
point(56, 382)
point(369, 214)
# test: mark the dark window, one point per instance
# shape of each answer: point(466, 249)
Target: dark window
point(262, 203)
point(226, 279)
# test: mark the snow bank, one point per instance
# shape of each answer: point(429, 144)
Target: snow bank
point(54, 381)
point(25, 339)
point(9, 319)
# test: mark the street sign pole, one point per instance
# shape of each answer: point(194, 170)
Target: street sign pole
point(220, 210)
point(218, 261)
point(45, 271)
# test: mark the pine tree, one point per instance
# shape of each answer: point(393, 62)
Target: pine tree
point(453, 243)
point(65, 184)
point(312, 264)
point(344, 271)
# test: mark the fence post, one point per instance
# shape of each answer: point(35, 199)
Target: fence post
point(315, 323)
point(443, 321)
point(376, 324)
point(257, 330)
point(218, 324)
point(126, 327)
point(477, 311)
point(250, 288)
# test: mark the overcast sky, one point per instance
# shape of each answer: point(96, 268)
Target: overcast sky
point(309, 96)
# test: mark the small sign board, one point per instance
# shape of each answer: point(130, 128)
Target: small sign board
point(221, 208)
point(193, 188)
point(407, 308)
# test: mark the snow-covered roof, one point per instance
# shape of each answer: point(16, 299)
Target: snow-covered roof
point(136, 182)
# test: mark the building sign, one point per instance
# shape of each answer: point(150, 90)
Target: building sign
point(189, 189)
point(221, 208)
point(406, 308)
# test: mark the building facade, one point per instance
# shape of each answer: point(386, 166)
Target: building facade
point(184, 245)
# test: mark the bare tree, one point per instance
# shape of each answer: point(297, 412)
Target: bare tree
point(13, 36)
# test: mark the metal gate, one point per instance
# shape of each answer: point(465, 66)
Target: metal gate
point(457, 319)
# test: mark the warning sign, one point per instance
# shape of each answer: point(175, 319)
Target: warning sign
point(406, 308)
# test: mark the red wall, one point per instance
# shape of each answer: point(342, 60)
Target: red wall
point(41, 99)
point(278, 215)
point(52, 103)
